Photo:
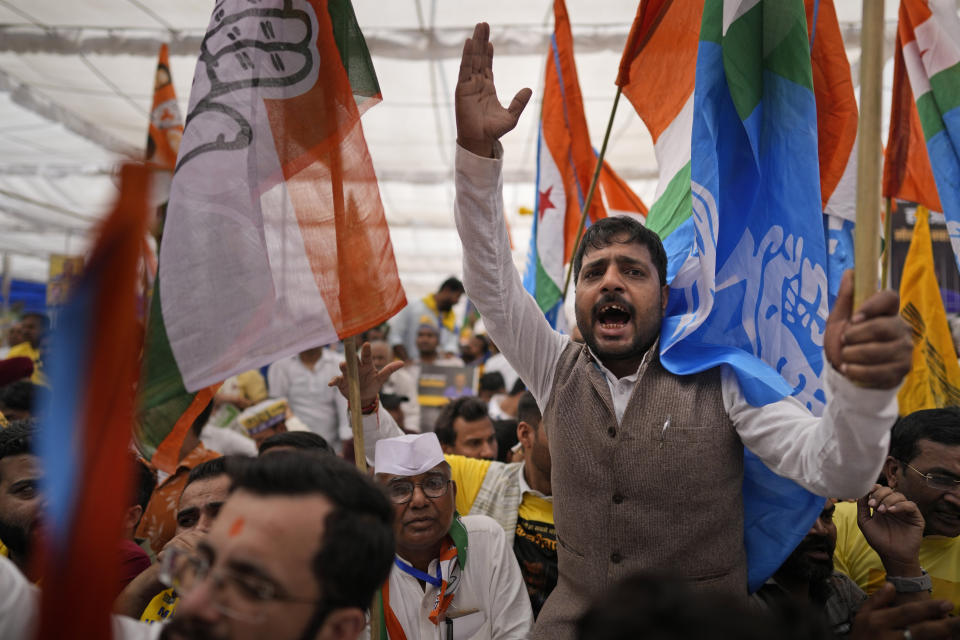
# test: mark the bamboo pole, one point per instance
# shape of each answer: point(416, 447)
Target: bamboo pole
point(867, 234)
point(593, 186)
point(353, 400)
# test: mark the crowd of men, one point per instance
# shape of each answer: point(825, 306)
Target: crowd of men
point(578, 489)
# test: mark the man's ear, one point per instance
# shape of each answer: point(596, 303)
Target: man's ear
point(525, 434)
point(891, 470)
point(343, 624)
point(132, 517)
point(453, 487)
point(664, 297)
point(447, 449)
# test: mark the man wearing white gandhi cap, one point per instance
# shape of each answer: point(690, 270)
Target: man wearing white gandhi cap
point(433, 591)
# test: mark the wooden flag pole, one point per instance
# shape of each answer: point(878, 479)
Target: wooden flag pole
point(353, 399)
point(867, 234)
point(593, 186)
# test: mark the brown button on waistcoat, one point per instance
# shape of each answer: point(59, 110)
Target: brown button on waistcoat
point(639, 495)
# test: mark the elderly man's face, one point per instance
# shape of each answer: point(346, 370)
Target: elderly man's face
point(422, 522)
point(381, 354)
point(257, 544)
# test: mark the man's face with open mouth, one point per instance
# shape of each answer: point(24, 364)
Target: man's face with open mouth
point(619, 301)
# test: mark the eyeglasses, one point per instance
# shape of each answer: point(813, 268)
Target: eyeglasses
point(235, 594)
point(401, 491)
point(938, 482)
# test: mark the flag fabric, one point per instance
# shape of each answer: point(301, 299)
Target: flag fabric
point(619, 198)
point(928, 67)
point(166, 123)
point(748, 269)
point(276, 239)
point(657, 74)
point(837, 137)
point(565, 165)
point(934, 378)
point(84, 434)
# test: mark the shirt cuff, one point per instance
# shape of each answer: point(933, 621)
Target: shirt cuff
point(880, 403)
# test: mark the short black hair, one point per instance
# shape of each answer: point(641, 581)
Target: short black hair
point(452, 284)
point(17, 438)
point(42, 317)
point(144, 482)
point(938, 425)
point(208, 469)
point(506, 432)
point(528, 411)
point(357, 548)
point(492, 381)
point(302, 440)
point(469, 408)
point(666, 608)
point(624, 230)
point(19, 396)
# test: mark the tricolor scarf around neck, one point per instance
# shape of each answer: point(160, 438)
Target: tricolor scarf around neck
point(448, 318)
point(452, 562)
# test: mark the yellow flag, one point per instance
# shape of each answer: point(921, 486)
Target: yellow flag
point(934, 379)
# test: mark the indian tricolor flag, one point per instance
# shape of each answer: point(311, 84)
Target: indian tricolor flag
point(276, 239)
point(565, 165)
point(656, 74)
point(923, 148)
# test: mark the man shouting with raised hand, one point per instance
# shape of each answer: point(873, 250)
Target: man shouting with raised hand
point(647, 465)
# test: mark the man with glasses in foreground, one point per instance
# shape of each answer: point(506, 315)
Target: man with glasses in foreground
point(296, 552)
point(436, 589)
point(923, 465)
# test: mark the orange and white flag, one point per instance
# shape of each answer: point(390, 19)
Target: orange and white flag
point(275, 239)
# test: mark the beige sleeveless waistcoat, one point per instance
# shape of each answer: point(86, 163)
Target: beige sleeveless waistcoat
point(637, 496)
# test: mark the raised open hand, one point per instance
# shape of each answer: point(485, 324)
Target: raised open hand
point(481, 119)
point(371, 378)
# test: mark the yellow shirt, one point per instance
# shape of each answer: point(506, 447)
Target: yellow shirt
point(26, 350)
point(161, 607)
point(939, 556)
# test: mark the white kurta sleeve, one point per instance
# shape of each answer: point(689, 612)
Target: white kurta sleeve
point(511, 316)
point(838, 455)
point(377, 426)
point(510, 603)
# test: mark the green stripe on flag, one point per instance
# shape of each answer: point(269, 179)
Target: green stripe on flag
point(548, 293)
point(711, 24)
point(770, 36)
point(743, 60)
point(930, 117)
point(673, 207)
point(787, 53)
point(163, 398)
point(353, 50)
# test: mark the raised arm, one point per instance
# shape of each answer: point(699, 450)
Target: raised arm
point(841, 453)
point(511, 317)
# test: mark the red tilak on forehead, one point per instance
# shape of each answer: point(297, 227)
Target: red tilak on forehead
point(236, 527)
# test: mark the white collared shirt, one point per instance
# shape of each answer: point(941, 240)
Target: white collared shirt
point(839, 454)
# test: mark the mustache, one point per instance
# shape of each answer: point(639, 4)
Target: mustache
point(612, 298)
point(816, 543)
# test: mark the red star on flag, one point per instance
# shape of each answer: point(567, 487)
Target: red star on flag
point(544, 203)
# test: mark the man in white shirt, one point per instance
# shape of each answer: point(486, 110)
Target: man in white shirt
point(435, 309)
point(657, 458)
point(302, 380)
point(437, 589)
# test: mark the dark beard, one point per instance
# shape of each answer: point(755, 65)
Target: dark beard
point(799, 566)
point(16, 539)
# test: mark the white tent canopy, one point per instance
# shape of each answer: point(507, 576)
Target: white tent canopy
point(76, 82)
